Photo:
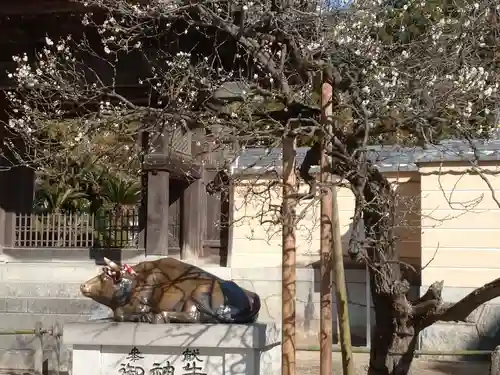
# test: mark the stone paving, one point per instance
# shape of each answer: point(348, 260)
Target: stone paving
point(308, 364)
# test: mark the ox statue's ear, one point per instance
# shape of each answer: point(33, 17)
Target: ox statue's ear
point(112, 265)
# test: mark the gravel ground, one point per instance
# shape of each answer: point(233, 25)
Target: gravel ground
point(308, 364)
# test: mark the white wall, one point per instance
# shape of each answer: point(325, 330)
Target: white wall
point(460, 225)
point(257, 236)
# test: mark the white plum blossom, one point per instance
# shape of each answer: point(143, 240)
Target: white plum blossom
point(394, 70)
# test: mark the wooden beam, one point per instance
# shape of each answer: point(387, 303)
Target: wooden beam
point(178, 165)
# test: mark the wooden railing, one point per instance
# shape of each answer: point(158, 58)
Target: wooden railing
point(59, 230)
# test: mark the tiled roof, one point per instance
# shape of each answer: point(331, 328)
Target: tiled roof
point(387, 158)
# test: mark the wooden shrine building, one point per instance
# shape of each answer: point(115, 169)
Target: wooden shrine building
point(181, 217)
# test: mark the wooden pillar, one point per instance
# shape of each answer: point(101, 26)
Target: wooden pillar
point(332, 260)
point(143, 209)
point(226, 236)
point(158, 202)
point(326, 286)
point(193, 218)
point(5, 229)
point(194, 207)
point(9, 235)
point(289, 272)
point(335, 261)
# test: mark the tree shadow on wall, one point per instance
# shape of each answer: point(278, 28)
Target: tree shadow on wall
point(355, 276)
point(408, 232)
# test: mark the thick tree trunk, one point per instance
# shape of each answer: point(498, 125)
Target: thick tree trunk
point(394, 342)
point(395, 337)
point(384, 363)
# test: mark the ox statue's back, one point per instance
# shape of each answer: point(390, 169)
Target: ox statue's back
point(168, 290)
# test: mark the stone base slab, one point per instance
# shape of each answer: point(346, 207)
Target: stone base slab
point(174, 349)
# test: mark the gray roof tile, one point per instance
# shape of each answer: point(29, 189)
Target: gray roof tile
point(387, 158)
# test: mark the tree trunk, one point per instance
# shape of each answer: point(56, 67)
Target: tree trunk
point(394, 340)
point(395, 337)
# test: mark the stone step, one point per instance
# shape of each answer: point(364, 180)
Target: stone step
point(51, 272)
point(40, 289)
point(41, 305)
point(72, 271)
point(19, 361)
point(23, 321)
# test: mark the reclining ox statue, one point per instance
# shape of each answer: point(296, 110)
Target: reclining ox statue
point(168, 290)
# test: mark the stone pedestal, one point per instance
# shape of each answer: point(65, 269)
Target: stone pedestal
point(110, 348)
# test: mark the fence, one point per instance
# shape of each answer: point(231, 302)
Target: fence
point(59, 230)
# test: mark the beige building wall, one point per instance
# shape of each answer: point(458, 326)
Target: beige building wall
point(257, 234)
point(460, 224)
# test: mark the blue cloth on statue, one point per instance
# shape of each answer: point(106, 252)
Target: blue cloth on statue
point(235, 300)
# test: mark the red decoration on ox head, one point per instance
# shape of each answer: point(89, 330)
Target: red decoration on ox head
point(129, 270)
point(118, 271)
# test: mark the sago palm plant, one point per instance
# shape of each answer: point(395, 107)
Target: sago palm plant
point(119, 194)
point(60, 199)
point(120, 198)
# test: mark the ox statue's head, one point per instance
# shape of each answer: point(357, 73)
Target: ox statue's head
point(112, 287)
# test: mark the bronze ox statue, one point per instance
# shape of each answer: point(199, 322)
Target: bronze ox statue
point(168, 290)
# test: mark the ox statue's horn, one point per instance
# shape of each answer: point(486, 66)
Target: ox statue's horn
point(112, 265)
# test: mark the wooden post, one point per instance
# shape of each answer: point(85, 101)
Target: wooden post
point(227, 211)
point(326, 292)
point(289, 259)
point(341, 291)
point(157, 213)
point(337, 253)
point(143, 209)
point(194, 206)
point(9, 238)
point(193, 216)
